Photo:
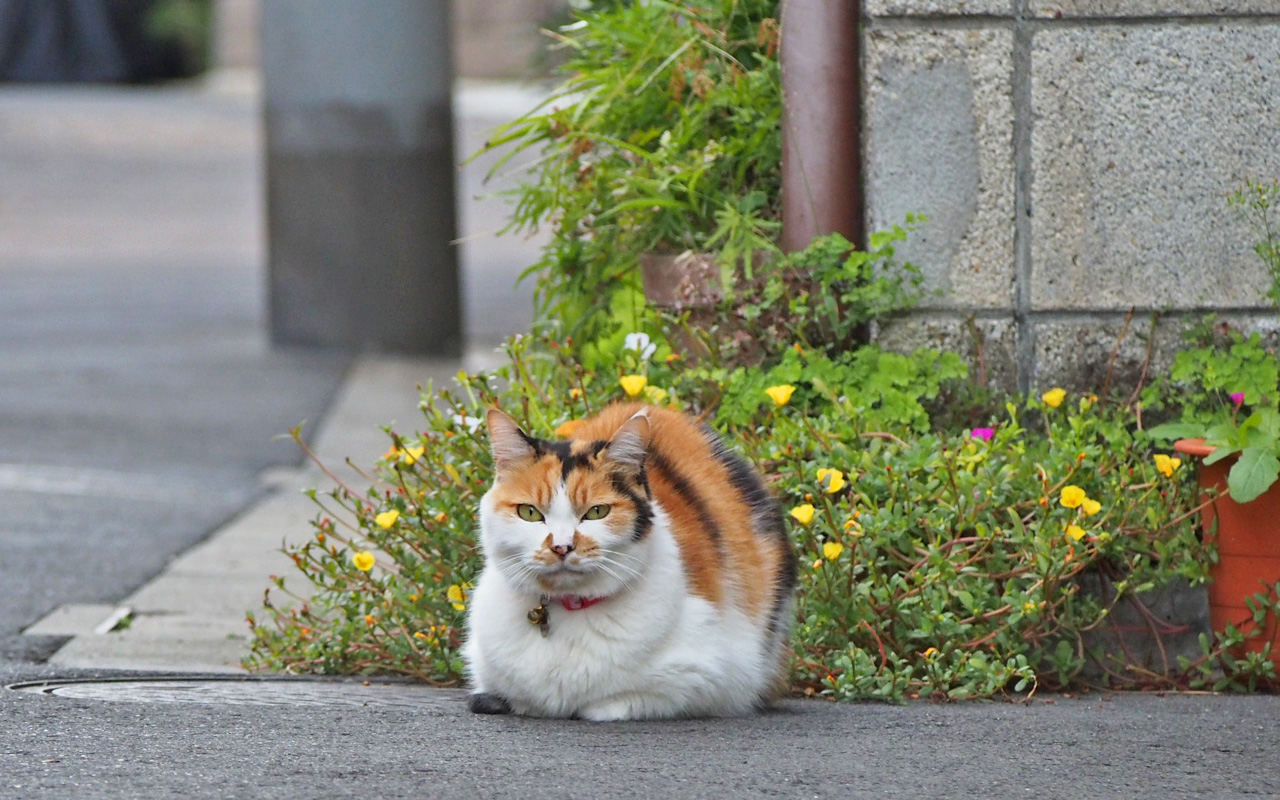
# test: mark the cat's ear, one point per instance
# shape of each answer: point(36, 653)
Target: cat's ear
point(628, 446)
point(510, 445)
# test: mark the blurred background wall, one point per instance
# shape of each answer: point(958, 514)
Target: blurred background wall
point(147, 40)
point(491, 38)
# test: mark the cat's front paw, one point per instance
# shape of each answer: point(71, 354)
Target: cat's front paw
point(623, 707)
point(487, 703)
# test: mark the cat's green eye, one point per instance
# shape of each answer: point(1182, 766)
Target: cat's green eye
point(528, 513)
point(597, 512)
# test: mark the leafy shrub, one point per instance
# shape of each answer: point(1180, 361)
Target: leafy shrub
point(664, 137)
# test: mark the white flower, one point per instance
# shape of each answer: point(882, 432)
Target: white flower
point(641, 344)
point(471, 423)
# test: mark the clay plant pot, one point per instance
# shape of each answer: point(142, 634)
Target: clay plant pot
point(1248, 537)
point(681, 281)
point(684, 283)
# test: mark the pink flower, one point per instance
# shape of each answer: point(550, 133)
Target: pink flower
point(1237, 398)
point(984, 434)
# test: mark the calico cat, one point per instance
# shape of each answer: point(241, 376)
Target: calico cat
point(639, 569)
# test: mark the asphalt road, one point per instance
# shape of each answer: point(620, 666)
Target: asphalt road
point(138, 396)
point(1129, 746)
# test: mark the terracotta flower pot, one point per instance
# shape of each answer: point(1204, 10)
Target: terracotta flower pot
point(1248, 537)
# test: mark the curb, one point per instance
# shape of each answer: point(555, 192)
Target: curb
point(191, 617)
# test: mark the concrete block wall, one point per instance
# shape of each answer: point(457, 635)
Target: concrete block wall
point(1074, 158)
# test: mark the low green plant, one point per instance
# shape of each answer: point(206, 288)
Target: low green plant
point(1258, 204)
point(961, 565)
point(949, 565)
point(1227, 384)
point(798, 325)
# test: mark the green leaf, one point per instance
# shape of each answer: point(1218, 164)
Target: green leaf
point(1253, 474)
point(1220, 453)
point(1269, 422)
point(1176, 430)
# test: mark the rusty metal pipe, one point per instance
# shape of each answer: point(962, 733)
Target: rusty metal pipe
point(821, 122)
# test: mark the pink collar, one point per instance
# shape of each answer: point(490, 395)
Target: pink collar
point(577, 603)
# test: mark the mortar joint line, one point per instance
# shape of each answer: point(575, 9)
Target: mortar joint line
point(1024, 328)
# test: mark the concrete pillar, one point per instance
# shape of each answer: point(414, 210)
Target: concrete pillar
point(360, 175)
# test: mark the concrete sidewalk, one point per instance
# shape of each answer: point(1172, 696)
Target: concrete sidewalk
point(191, 617)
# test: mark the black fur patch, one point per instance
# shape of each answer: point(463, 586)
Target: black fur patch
point(765, 514)
point(644, 511)
point(572, 461)
point(487, 703)
point(691, 496)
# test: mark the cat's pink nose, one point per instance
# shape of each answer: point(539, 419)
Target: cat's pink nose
point(562, 550)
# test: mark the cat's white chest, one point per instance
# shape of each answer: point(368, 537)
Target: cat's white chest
point(654, 650)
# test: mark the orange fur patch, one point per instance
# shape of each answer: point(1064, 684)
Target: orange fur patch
point(725, 558)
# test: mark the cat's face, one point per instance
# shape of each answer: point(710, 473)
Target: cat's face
point(566, 517)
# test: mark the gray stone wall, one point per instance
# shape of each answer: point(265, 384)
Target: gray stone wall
point(1073, 158)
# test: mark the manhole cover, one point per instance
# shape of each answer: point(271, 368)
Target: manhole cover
point(234, 691)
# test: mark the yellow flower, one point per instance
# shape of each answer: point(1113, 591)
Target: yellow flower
point(387, 518)
point(419, 635)
point(392, 453)
point(803, 513)
point(831, 479)
point(832, 550)
point(457, 597)
point(633, 384)
point(413, 598)
point(1072, 496)
point(566, 429)
point(1028, 607)
point(363, 560)
point(368, 619)
point(654, 394)
point(930, 653)
point(442, 517)
point(575, 393)
point(1075, 533)
point(453, 473)
point(817, 564)
point(410, 455)
point(1166, 466)
point(1090, 506)
point(781, 394)
point(1054, 397)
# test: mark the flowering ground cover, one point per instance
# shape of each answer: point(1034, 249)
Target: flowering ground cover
point(954, 543)
point(933, 563)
